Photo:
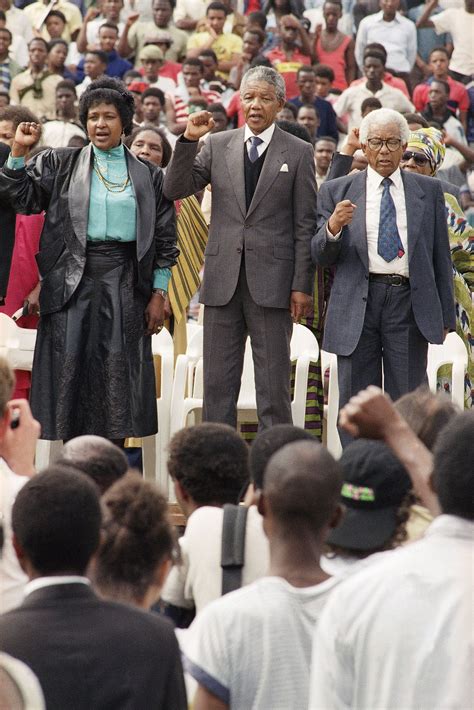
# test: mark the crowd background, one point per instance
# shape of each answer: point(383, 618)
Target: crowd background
point(251, 648)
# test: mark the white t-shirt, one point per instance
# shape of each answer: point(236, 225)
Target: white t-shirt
point(198, 580)
point(12, 578)
point(398, 635)
point(252, 648)
point(460, 25)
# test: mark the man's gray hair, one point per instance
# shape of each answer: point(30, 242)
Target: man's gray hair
point(268, 74)
point(384, 117)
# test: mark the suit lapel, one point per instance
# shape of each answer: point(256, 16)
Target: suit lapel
point(357, 194)
point(415, 210)
point(142, 182)
point(234, 156)
point(79, 193)
point(274, 159)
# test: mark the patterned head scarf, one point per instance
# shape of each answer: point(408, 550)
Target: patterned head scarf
point(430, 142)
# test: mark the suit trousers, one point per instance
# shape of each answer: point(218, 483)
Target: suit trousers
point(225, 333)
point(391, 351)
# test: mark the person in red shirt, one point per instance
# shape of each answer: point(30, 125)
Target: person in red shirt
point(335, 49)
point(458, 100)
point(287, 58)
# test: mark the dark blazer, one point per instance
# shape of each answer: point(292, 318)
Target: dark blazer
point(275, 233)
point(431, 271)
point(341, 165)
point(90, 654)
point(7, 232)
point(58, 181)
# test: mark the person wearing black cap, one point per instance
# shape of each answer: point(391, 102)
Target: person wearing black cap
point(376, 495)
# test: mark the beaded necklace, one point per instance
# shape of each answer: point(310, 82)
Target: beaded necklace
point(110, 185)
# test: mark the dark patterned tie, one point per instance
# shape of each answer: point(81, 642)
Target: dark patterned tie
point(253, 152)
point(389, 243)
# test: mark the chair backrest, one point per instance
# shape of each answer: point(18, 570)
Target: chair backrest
point(451, 352)
point(303, 342)
point(333, 442)
point(17, 344)
point(247, 398)
point(161, 342)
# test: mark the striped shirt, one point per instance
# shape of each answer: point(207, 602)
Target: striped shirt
point(181, 104)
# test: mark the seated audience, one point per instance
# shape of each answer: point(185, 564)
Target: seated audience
point(219, 115)
point(226, 45)
point(35, 12)
point(8, 67)
point(138, 30)
point(324, 149)
point(335, 49)
point(177, 111)
point(439, 71)
point(106, 41)
point(109, 12)
point(56, 62)
point(398, 633)
point(288, 113)
point(137, 543)
point(153, 104)
point(308, 117)
point(350, 101)
point(390, 28)
point(306, 79)
point(293, 52)
point(252, 648)
point(152, 61)
point(62, 625)
point(95, 65)
point(390, 79)
point(58, 132)
point(209, 467)
point(35, 87)
point(252, 46)
point(97, 457)
point(438, 110)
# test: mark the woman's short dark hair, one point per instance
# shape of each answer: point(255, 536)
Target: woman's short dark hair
point(165, 144)
point(108, 90)
point(137, 537)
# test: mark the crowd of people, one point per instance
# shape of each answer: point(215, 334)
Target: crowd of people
point(297, 161)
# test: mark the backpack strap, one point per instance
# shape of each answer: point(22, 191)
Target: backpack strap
point(233, 546)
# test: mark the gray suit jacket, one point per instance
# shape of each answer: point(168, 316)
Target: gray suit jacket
point(275, 234)
point(430, 267)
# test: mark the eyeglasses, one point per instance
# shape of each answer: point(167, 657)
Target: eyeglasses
point(392, 144)
point(419, 159)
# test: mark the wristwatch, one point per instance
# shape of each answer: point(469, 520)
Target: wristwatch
point(160, 291)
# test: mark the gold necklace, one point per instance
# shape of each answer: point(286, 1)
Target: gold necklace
point(109, 185)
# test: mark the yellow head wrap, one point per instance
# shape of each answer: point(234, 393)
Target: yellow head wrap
point(430, 142)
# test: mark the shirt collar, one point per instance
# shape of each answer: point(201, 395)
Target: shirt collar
point(265, 136)
point(112, 153)
point(379, 17)
point(451, 526)
point(374, 180)
point(51, 581)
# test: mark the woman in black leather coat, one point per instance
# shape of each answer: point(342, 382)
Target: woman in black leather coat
point(107, 246)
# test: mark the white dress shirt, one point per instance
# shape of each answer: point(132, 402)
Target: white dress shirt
point(398, 37)
point(265, 136)
point(398, 635)
point(378, 265)
point(42, 582)
point(350, 101)
point(12, 577)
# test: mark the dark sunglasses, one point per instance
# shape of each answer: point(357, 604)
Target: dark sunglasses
point(417, 157)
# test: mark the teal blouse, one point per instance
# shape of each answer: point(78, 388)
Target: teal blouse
point(118, 221)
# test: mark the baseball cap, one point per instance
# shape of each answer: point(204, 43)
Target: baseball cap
point(150, 52)
point(138, 87)
point(375, 484)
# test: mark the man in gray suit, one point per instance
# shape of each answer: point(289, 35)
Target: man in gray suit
point(385, 231)
point(258, 272)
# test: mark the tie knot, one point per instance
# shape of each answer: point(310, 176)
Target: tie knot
point(255, 141)
point(387, 182)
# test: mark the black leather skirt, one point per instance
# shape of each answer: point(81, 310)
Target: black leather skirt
point(93, 367)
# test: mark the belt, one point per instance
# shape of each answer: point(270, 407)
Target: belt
point(391, 279)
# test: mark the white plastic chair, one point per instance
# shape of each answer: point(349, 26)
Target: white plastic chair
point(304, 350)
point(451, 352)
point(154, 447)
point(187, 396)
point(331, 409)
point(17, 345)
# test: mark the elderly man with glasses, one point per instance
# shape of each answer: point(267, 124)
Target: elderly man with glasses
point(386, 233)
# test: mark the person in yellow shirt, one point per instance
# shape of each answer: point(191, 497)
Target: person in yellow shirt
point(38, 11)
point(228, 47)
